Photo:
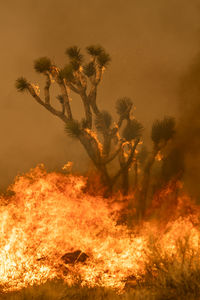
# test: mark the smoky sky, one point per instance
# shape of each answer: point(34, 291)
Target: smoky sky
point(151, 43)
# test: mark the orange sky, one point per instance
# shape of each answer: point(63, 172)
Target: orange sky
point(151, 44)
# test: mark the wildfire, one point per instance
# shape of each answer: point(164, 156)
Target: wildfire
point(48, 217)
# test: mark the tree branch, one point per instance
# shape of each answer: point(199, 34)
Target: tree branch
point(128, 163)
point(113, 155)
point(46, 105)
point(88, 113)
point(46, 89)
point(92, 99)
point(65, 94)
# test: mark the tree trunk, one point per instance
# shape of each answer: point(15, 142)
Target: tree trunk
point(145, 184)
point(94, 153)
point(88, 113)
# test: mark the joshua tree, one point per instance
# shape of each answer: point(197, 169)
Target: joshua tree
point(83, 79)
point(162, 131)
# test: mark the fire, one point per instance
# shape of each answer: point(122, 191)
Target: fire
point(48, 215)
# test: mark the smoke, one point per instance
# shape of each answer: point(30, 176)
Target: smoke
point(189, 126)
point(150, 43)
point(183, 159)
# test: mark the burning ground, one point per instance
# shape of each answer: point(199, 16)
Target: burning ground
point(51, 228)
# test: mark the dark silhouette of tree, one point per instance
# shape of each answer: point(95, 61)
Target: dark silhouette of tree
point(140, 160)
point(102, 139)
point(162, 131)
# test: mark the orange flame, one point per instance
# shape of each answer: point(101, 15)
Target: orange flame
point(49, 215)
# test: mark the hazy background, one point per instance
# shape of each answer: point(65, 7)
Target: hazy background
point(152, 43)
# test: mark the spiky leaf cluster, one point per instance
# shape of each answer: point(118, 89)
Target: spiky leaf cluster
point(75, 65)
point(163, 130)
point(102, 57)
point(103, 121)
point(74, 53)
point(67, 73)
point(42, 64)
point(132, 130)
point(21, 84)
point(75, 56)
point(94, 50)
point(89, 69)
point(123, 107)
point(73, 128)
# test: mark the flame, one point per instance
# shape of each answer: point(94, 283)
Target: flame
point(68, 166)
point(48, 215)
point(159, 156)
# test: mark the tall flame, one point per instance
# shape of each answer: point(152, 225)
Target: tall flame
point(48, 215)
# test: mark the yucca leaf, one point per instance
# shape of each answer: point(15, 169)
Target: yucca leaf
point(123, 106)
point(103, 59)
point(75, 65)
point(42, 64)
point(94, 50)
point(74, 53)
point(89, 69)
point(132, 130)
point(73, 128)
point(67, 72)
point(21, 84)
point(163, 129)
point(103, 121)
